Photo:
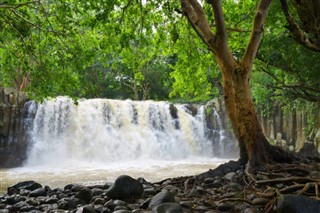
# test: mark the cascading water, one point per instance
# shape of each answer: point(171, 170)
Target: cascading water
point(102, 130)
point(98, 139)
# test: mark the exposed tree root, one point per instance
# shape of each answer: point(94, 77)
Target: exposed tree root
point(268, 182)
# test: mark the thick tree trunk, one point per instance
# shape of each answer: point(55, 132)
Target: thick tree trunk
point(254, 147)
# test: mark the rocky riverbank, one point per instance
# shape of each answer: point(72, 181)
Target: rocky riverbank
point(280, 188)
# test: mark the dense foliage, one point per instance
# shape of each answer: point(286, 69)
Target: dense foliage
point(144, 50)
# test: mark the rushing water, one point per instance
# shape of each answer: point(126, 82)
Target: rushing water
point(98, 139)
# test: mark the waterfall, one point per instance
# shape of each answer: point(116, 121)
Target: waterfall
point(103, 130)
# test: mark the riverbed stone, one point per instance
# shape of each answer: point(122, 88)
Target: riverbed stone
point(230, 175)
point(164, 196)
point(28, 185)
point(67, 204)
point(97, 191)
point(167, 208)
point(38, 192)
point(297, 204)
point(84, 194)
point(88, 209)
point(125, 188)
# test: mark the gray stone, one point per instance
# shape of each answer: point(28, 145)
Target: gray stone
point(150, 191)
point(235, 187)
point(122, 211)
point(18, 206)
point(67, 204)
point(209, 180)
point(88, 209)
point(260, 201)
point(315, 174)
point(145, 204)
point(193, 192)
point(28, 185)
point(167, 208)
point(125, 188)
point(227, 206)
point(38, 192)
point(85, 194)
point(186, 204)
point(162, 197)
point(97, 191)
point(230, 175)
point(297, 204)
point(51, 200)
point(99, 200)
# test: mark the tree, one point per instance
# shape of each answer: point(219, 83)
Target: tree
point(254, 147)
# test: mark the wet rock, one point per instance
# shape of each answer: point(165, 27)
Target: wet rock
point(162, 197)
point(145, 204)
point(235, 187)
point(85, 194)
point(88, 209)
point(230, 175)
point(186, 204)
point(38, 192)
point(315, 174)
point(67, 204)
point(97, 191)
point(113, 204)
point(227, 206)
point(28, 185)
point(209, 180)
point(51, 200)
point(260, 201)
point(167, 208)
point(297, 204)
point(16, 207)
point(99, 200)
point(122, 211)
point(150, 191)
point(125, 188)
point(193, 192)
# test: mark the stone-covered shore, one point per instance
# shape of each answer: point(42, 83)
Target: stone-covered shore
point(231, 192)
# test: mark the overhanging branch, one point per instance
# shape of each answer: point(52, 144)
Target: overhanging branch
point(297, 33)
point(197, 18)
point(298, 89)
point(256, 34)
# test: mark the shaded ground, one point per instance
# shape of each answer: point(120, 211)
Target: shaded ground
point(280, 188)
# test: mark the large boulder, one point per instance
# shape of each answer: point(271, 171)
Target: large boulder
point(125, 188)
point(297, 204)
point(28, 185)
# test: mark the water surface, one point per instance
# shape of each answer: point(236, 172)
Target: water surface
point(57, 176)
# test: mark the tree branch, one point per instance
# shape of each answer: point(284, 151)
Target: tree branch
point(256, 34)
point(196, 17)
point(222, 51)
point(299, 89)
point(5, 5)
point(297, 33)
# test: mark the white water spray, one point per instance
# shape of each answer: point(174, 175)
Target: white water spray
point(107, 131)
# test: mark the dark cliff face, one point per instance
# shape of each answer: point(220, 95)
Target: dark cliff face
point(12, 135)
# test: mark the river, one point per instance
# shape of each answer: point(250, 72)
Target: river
point(59, 176)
